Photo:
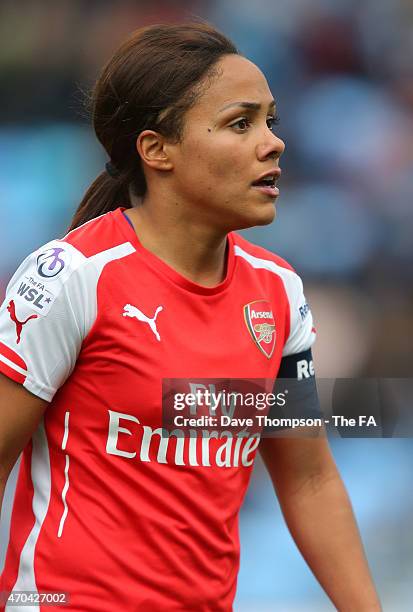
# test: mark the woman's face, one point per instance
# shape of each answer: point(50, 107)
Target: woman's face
point(228, 145)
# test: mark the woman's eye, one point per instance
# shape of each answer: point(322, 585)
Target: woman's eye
point(272, 122)
point(242, 124)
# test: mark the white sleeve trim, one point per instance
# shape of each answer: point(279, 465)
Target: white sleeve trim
point(45, 393)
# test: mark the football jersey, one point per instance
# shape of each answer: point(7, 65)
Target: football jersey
point(107, 509)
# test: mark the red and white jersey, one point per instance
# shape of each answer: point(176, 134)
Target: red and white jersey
point(105, 509)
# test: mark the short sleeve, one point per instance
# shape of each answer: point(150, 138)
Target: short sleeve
point(302, 332)
point(42, 321)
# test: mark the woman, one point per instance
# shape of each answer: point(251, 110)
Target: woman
point(152, 284)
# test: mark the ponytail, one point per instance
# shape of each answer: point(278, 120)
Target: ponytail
point(106, 193)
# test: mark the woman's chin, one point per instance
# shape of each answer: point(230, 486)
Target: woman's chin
point(264, 217)
point(265, 214)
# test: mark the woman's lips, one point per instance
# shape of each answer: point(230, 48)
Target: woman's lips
point(271, 192)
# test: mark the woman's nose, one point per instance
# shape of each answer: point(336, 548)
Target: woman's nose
point(274, 148)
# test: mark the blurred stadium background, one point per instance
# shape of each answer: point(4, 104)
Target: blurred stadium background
point(342, 74)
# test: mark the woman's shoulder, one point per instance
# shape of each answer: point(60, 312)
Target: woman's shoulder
point(97, 235)
point(79, 255)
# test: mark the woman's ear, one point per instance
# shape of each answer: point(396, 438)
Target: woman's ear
point(153, 150)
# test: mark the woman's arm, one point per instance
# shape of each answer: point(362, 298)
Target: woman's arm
point(319, 516)
point(20, 413)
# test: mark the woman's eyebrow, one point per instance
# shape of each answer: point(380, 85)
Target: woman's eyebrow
point(249, 105)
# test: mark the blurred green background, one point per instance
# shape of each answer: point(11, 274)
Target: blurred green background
point(341, 72)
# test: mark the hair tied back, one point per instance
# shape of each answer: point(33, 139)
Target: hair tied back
point(112, 170)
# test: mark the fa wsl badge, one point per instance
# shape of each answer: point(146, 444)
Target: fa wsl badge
point(261, 325)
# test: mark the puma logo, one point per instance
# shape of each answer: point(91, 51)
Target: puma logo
point(19, 324)
point(133, 312)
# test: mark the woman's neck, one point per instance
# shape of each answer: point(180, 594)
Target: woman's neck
point(196, 252)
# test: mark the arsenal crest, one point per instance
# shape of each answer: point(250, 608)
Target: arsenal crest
point(260, 321)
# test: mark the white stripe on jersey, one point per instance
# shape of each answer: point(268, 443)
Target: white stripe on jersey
point(26, 580)
point(13, 365)
point(289, 276)
point(116, 252)
point(66, 434)
point(66, 485)
point(64, 493)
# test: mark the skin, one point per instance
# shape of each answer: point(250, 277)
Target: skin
point(198, 190)
point(320, 518)
point(20, 413)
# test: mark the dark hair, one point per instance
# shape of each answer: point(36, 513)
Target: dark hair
point(149, 83)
